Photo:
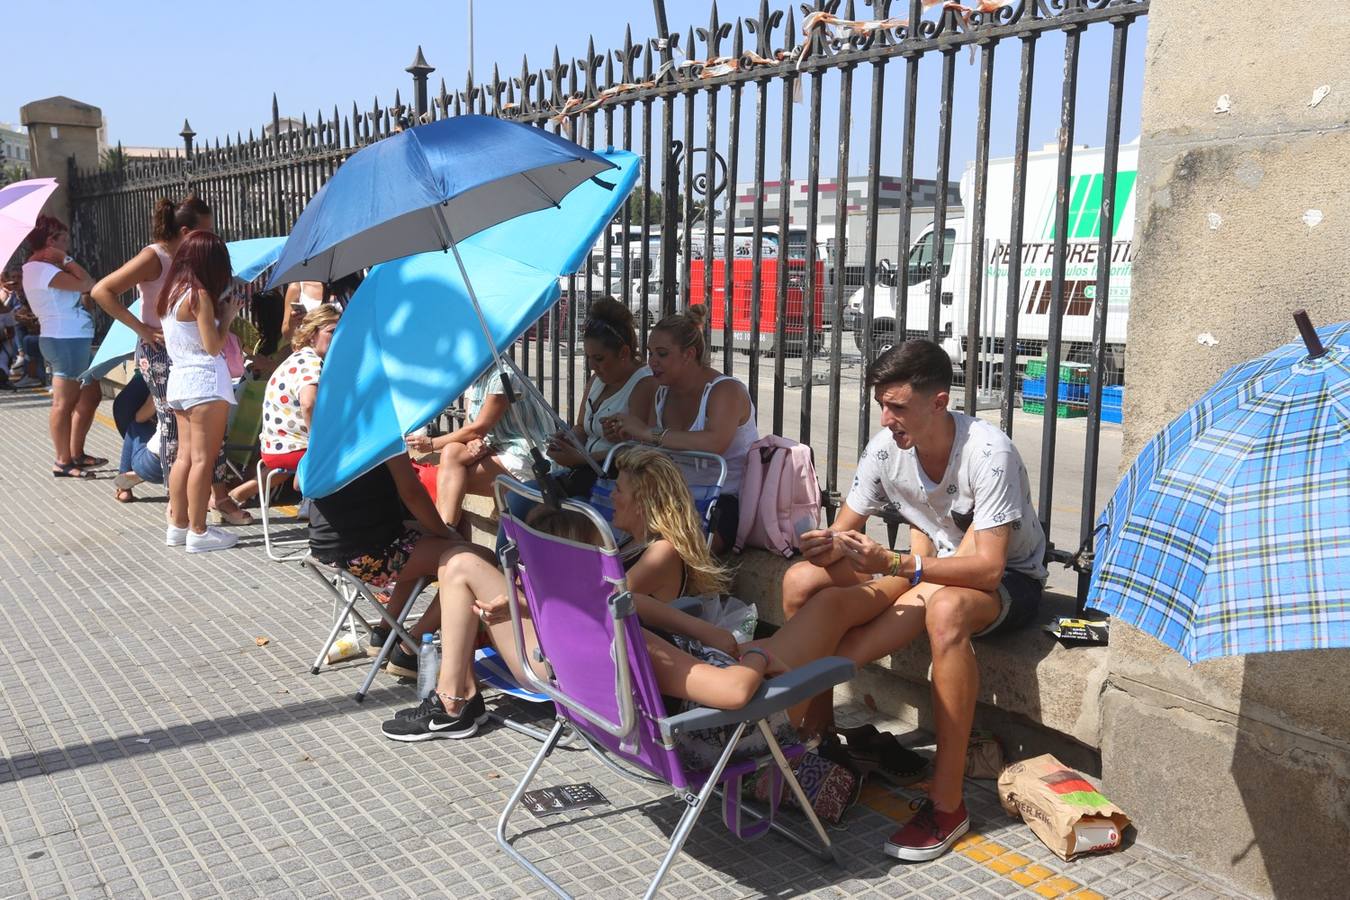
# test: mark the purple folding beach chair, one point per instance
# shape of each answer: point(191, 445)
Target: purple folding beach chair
point(601, 681)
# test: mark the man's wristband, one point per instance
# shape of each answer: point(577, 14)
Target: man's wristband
point(918, 571)
point(894, 569)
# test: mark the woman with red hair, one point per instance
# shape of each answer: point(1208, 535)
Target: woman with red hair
point(54, 284)
point(196, 308)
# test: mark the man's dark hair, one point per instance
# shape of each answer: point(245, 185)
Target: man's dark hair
point(922, 365)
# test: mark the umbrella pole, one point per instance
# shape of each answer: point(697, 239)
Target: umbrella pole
point(548, 485)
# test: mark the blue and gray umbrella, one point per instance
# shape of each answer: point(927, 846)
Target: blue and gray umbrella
point(1230, 533)
point(433, 188)
point(409, 341)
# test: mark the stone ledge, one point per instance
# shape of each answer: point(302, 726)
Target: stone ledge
point(1037, 694)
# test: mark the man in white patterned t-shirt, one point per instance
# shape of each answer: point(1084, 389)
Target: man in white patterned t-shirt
point(975, 566)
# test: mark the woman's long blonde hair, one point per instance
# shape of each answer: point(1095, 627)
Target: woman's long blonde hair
point(662, 495)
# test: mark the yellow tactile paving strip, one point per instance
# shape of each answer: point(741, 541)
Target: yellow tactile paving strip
point(990, 854)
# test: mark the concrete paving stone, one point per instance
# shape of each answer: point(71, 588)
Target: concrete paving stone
point(224, 774)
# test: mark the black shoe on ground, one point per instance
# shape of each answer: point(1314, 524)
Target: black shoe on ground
point(430, 721)
point(401, 662)
point(377, 638)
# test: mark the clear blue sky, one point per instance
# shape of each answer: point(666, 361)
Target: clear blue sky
point(218, 64)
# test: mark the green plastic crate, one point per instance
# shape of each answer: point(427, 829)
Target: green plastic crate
point(1069, 373)
point(1063, 411)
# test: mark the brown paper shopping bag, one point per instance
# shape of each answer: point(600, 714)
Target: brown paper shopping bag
point(1062, 807)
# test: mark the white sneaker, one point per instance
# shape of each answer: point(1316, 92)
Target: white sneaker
point(174, 536)
point(210, 539)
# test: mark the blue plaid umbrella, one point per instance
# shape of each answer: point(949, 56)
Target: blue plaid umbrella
point(1230, 534)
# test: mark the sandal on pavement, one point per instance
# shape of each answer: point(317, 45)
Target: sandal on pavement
point(127, 480)
point(235, 516)
point(124, 495)
point(90, 462)
point(69, 470)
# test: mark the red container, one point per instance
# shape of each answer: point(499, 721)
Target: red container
point(742, 320)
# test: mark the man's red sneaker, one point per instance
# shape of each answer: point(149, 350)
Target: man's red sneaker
point(929, 833)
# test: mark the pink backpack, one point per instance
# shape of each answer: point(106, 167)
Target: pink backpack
point(779, 489)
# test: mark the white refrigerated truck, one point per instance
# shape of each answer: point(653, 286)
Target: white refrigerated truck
point(1038, 241)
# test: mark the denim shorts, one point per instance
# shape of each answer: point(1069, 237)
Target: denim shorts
point(68, 357)
point(1020, 596)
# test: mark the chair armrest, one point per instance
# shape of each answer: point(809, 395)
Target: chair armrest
point(692, 606)
point(775, 694)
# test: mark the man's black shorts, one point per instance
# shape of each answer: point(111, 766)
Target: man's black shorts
point(1021, 597)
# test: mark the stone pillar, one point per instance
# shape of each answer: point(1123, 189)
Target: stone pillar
point(1241, 764)
point(59, 128)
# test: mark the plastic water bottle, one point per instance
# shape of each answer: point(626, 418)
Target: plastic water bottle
point(428, 667)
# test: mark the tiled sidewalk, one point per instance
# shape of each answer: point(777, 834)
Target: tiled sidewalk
point(150, 746)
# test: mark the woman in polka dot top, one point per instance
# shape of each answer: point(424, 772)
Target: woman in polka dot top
point(289, 401)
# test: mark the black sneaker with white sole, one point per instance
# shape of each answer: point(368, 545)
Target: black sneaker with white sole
point(430, 721)
point(400, 662)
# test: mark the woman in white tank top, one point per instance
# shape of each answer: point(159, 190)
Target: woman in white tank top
point(195, 312)
point(694, 407)
point(147, 272)
point(302, 298)
point(619, 380)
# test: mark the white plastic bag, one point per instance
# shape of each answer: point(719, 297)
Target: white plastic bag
point(733, 614)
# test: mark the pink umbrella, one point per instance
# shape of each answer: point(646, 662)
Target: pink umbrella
point(20, 204)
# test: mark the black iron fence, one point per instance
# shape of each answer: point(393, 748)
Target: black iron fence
point(714, 109)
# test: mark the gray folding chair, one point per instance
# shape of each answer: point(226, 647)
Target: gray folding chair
point(347, 591)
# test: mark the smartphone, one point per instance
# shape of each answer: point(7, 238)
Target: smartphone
point(804, 524)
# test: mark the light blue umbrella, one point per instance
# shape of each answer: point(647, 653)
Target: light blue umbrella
point(410, 340)
point(1230, 533)
point(248, 260)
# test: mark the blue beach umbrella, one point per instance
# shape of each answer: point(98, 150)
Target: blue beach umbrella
point(410, 340)
point(1230, 533)
point(248, 260)
point(429, 188)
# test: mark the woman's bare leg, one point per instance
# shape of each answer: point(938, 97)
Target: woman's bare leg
point(457, 477)
point(65, 395)
point(421, 563)
point(178, 474)
point(87, 398)
point(466, 574)
point(207, 423)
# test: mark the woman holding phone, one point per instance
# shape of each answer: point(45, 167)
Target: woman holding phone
point(195, 310)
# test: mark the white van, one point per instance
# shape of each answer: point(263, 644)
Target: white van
point(1034, 292)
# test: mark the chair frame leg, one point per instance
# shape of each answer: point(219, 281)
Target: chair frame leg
point(827, 851)
point(265, 488)
point(347, 592)
point(549, 743)
point(396, 632)
point(345, 615)
point(695, 804)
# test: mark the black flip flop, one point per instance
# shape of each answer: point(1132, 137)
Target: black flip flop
point(70, 470)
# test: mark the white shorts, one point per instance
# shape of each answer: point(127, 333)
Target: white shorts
point(517, 467)
point(189, 402)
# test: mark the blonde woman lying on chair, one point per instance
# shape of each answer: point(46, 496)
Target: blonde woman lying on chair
point(473, 592)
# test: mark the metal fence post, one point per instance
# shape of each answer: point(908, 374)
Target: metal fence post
point(420, 71)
